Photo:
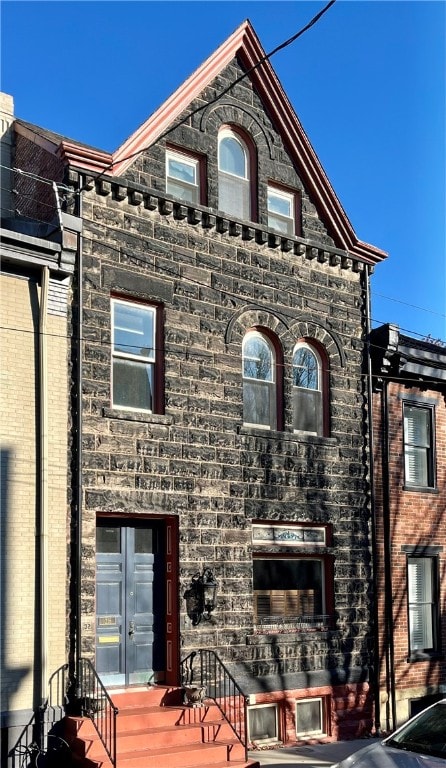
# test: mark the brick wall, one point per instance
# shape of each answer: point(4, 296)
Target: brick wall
point(19, 444)
point(416, 519)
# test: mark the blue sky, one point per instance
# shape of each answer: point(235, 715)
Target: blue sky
point(368, 83)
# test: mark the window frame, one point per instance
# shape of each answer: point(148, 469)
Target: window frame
point(250, 177)
point(322, 425)
point(269, 739)
point(274, 386)
point(323, 719)
point(327, 574)
point(198, 163)
point(430, 448)
point(155, 360)
point(294, 198)
point(416, 653)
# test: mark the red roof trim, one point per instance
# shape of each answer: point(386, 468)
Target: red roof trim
point(244, 43)
point(84, 157)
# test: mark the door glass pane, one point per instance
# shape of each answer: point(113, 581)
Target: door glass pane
point(108, 539)
point(143, 541)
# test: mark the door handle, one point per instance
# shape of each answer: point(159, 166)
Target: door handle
point(131, 628)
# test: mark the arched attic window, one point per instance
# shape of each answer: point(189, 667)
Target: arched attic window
point(234, 174)
point(309, 389)
point(261, 381)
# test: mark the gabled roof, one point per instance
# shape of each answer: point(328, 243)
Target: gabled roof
point(244, 44)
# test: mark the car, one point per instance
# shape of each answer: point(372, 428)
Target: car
point(419, 743)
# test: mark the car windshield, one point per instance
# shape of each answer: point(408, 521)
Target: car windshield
point(426, 734)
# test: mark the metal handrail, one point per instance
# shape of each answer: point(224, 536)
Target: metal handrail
point(98, 706)
point(205, 668)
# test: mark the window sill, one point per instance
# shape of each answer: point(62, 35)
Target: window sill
point(420, 489)
point(298, 437)
point(152, 418)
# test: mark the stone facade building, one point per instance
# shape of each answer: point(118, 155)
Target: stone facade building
point(223, 302)
point(409, 416)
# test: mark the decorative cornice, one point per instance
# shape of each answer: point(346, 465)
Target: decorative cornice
point(131, 193)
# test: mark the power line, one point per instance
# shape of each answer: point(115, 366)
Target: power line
point(174, 276)
point(191, 354)
point(226, 90)
point(204, 285)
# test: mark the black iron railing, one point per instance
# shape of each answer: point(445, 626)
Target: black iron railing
point(96, 704)
point(204, 668)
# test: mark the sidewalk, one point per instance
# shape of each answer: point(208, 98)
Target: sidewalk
point(311, 755)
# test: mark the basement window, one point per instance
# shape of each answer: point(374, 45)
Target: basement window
point(263, 724)
point(310, 718)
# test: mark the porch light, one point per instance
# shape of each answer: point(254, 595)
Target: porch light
point(200, 596)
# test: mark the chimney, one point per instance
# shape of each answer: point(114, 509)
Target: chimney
point(6, 176)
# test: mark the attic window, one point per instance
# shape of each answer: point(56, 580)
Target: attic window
point(281, 211)
point(233, 175)
point(183, 176)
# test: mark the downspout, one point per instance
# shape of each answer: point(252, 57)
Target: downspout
point(43, 484)
point(79, 492)
point(375, 681)
point(388, 586)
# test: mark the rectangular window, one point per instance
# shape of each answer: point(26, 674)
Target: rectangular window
point(309, 718)
point(133, 354)
point(183, 176)
point(290, 589)
point(263, 723)
point(422, 575)
point(418, 446)
point(281, 211)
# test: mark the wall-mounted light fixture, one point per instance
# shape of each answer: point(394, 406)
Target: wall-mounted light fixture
point(200, 596)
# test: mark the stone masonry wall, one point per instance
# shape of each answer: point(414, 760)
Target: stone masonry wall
point(215, 279)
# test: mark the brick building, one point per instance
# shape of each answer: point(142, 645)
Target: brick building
point(36, 267)
point(409, 416)
point(223, 303)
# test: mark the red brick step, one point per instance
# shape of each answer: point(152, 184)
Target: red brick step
point(155, 730)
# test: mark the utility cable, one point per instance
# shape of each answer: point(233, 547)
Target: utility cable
point(175, 276)
point(226, 90)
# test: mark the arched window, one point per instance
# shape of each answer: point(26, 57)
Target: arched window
point(308, 403)
point(234, 192)
point(259, 381)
